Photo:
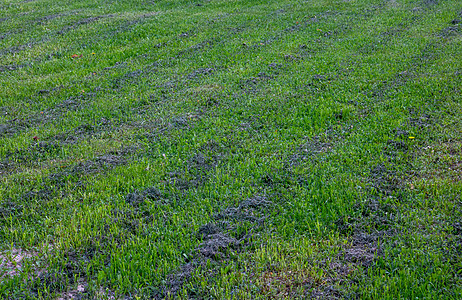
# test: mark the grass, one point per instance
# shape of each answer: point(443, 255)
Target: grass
point(230, 149)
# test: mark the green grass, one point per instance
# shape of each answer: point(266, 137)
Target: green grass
point(231, 149)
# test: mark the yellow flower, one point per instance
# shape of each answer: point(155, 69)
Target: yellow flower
point(412, 137)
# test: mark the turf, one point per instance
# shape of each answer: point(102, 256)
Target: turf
point(230, 149)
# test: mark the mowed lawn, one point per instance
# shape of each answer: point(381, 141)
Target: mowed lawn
point(218, 149)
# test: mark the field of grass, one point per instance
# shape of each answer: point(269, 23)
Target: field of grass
point(218, 149)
